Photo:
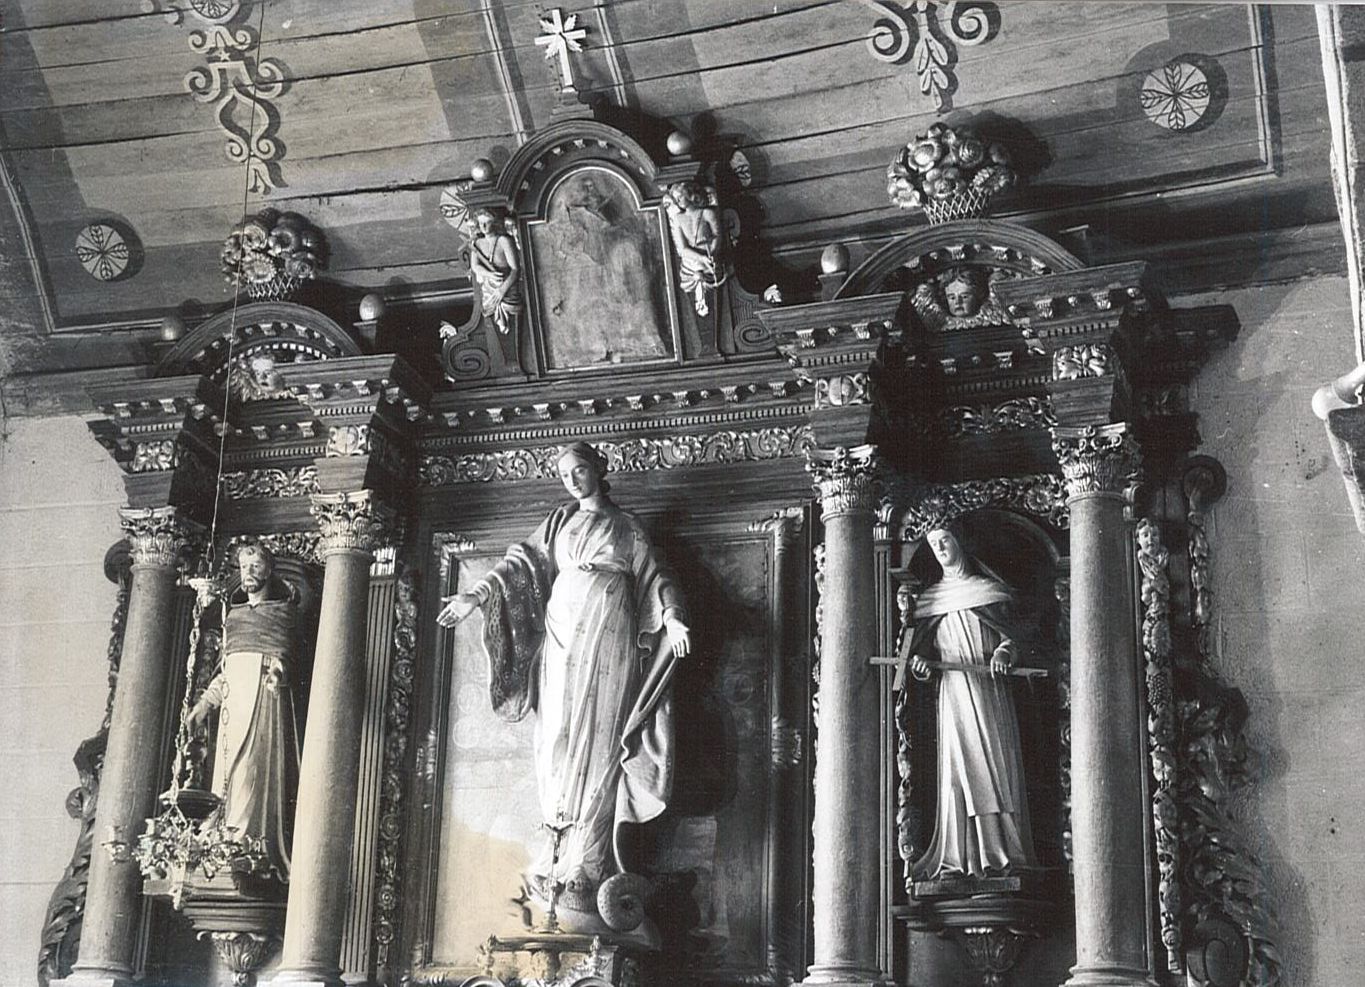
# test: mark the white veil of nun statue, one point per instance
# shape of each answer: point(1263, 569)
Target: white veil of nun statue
point(584, 626)
point(256, 760)
point(981, 826)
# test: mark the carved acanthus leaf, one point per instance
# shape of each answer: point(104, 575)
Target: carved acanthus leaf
point(845, 479)
point(351, 522)
point(987, 419)
point(298, 481)
point(1082, 360)
point(1096, 458)
point(159, 536)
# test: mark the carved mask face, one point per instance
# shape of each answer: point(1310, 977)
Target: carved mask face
point(961, 297)
point(579, 477)
point(255, 571)
point(945, 547)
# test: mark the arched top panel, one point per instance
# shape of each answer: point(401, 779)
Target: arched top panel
point(984, 242)
point(532, 172)
point(259, 336)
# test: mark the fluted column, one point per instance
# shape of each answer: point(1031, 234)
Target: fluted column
point(129, 782)
point(352, 526)
point(1108, 811)
point(847, 793)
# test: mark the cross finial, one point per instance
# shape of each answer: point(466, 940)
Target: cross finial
point(562, 35)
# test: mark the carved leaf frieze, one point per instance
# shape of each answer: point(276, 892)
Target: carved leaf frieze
point(625, 456)
point(298, 481)
point(988, 419)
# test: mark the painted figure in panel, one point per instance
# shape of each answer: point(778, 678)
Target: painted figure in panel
point(981, 827)
point(256, 760)
point(583, 625)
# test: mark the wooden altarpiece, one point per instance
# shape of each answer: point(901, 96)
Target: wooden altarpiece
point(272, 421)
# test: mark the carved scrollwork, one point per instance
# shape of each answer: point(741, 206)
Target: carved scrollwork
point(158, 536)
point(626, 456)
point(1221, 878)
point(845, 479)
point(351, 522)
point(926, 32)
point(842, 391)
point(1062, 591)
point(1096, 458)
point(988, 419)
point(348, 440)
point(1153, 561)
point(1082, 360)
point(298, 481)
point(393, 791)
point(914, 512)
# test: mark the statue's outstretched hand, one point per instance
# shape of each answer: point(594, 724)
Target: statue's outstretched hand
point(919, 668)
point(457, 608)
point(679, 638)
point(1000, 662)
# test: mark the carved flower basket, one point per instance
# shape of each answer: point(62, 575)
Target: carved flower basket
point(970, 204)
point(281, 288)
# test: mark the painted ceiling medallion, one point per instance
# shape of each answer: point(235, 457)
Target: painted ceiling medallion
point(102, 251)
point(1176, 96)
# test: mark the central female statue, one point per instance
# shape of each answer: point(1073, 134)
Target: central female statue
point(584, 626)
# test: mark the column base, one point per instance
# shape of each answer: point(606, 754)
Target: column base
point(305, 978)
point(844, 976)
point(1109, 976)
point(96, 978)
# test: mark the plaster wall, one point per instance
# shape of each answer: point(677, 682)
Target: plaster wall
point(1287, 602)
point(59, 494)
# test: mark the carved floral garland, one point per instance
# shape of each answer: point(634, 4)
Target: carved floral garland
point(626, 456)
point(397, 723)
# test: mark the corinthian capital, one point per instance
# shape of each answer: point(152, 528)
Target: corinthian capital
point(158, 536)
point(351, 522)
point(1096, 458)
point(845, 479)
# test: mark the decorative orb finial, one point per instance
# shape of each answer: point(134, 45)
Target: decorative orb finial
point(172, 328)
point(679, 144)
point(481, 170)
point(834, 259)
point(372, 307)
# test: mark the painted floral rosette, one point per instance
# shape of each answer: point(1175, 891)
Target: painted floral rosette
point(948, 174)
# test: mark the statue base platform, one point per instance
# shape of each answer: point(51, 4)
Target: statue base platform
point(992, 918)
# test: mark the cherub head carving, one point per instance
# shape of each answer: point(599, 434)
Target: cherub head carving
point(964, 290)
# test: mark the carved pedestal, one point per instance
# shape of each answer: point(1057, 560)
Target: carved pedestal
point(554, 960)
point(242, 916)
point(992, 919)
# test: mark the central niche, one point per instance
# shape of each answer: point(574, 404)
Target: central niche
point(602, 286)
